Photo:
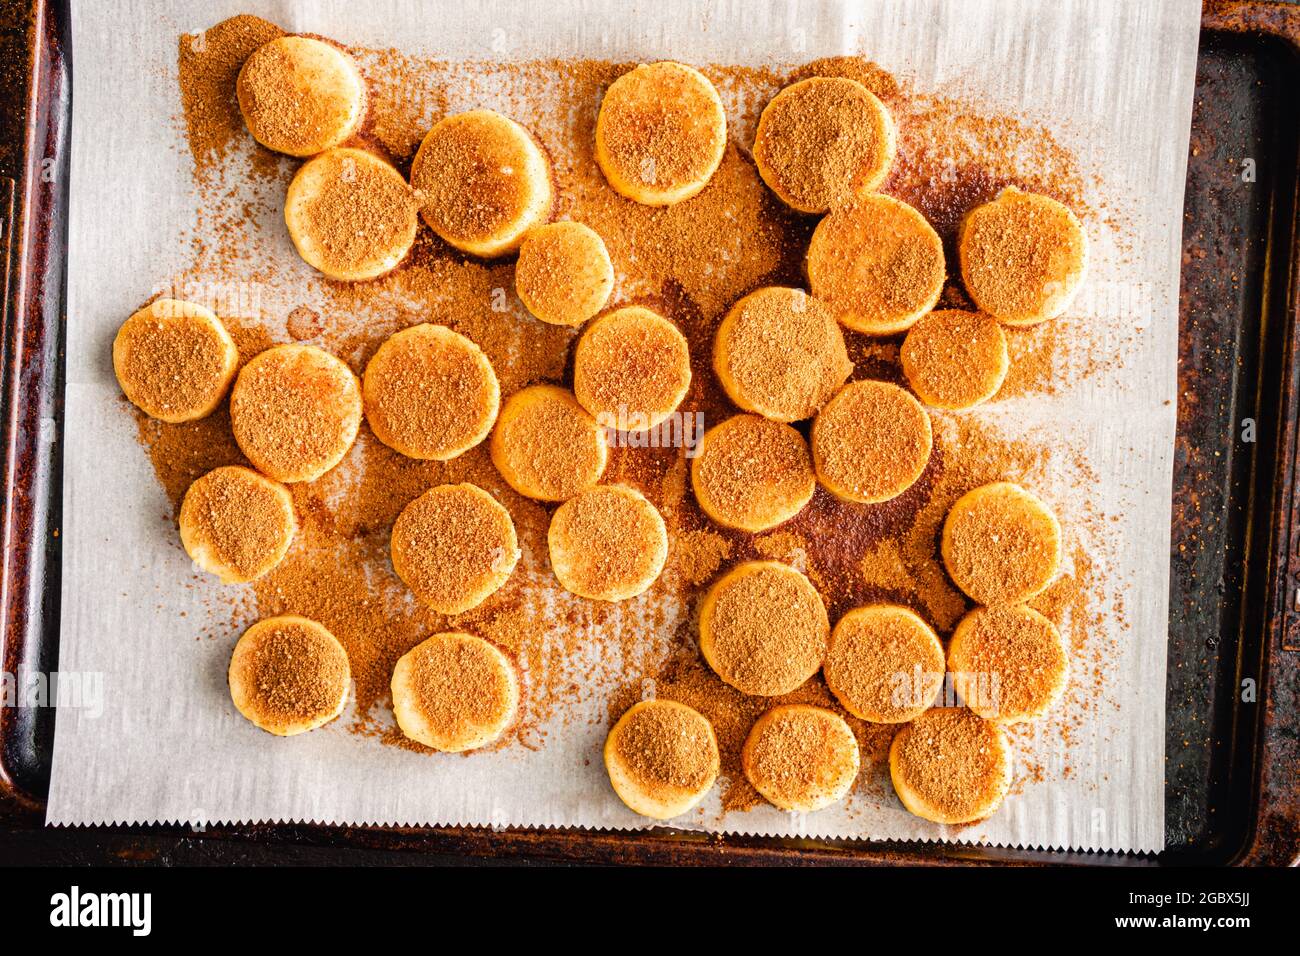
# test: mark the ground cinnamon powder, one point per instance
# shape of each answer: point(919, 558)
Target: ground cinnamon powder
point(209, 63)
point(358, 211)
point(768, 628)
point(176, 364)
point(239, 516)
point(287, 105)
point(690, 262)
point(950, 758)
point(824, 143)
point(667, 748)
point(458, 686)
point(294, 671)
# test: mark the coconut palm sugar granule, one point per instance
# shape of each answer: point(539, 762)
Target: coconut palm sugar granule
point(689, 263)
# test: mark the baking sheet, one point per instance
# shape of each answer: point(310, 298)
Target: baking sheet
point(1113, 80)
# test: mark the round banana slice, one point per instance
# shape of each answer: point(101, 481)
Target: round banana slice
point(801, 758)
point(1008, 663)
point(174, 360)
point(1023, 257)
point(660, 134)
point(824, 142)
point(300, 96)
point(546, 446)
point(884, 664)
point(482, 182)
point(455, 692)
point(631, 366)
point(350, 215)
point(607, 543)
point(871, 442)
point(752, 474)
point(564, 275)
point(955, 359)
point(289, 675)
point(877, 263)
point(295, 411)
point(780, 353)
point(1001, 544)
point(454, 546)
point(763, 628)
point(237, 524)
point(662, 758)
point(950, 766)
point(430, 393)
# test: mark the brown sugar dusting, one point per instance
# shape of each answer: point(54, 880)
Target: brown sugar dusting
point(871, 441)
point(797, 754)
point(430, 394)
point(954, 359)
point(284, 104)
point(823, 142)
point(668, 749)
point(783, 353)
point(655, 128)
point(692, 261)
point(358, 210)
point(750, 470)
point(608, 540)
point(631, 361)
point(458, 686)
point(208, 64)
point(452, 544)
point(465, 178)
point(174, 365)
point(291, 410)
point(950, 757)
point(767, 627)
point(1022, 648)
point(293, 672)
point(239, 516)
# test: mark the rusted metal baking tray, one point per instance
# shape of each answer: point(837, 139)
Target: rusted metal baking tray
point(1233, 758)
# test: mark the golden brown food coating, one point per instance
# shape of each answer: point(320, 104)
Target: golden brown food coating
point(289, 675)
point(877, 263)
point(482, 182)
point(350, 215)
point(1001, 544)
point(662, 758)
point(950, 766)
point(454, 546)
point(430, 393)
point(300, 95)
point(752, 474)
point(295, 411)
point(236, 524)
point(1023, 257)
point(1008, 663)
point(823, 142)
point(564, 275)
point(455, 692)
point(801, 758)
point(779, 353)
point(884, 664)
point(174, 360)
point(607, 543)
point(871, 442)
point(546, 446)
point(631, 366)
point(955, 359)
point(660, 134)
point(763, 628)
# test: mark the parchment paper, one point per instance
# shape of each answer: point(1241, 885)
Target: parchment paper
point(1113, 80)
